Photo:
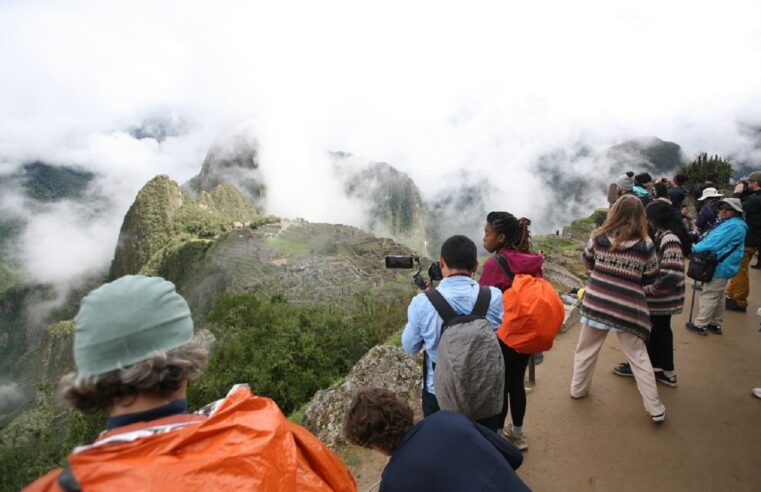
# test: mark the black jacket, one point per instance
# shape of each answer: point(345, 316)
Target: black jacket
point(752, 208)
point(677, 194)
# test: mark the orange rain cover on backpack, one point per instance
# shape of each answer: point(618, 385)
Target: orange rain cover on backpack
point(533, 315)
point(245, 444)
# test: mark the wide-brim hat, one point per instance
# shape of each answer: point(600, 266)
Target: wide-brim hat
point(710, 192)
point(735, 203)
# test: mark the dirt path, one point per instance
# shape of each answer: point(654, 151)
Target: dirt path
point(710, 441)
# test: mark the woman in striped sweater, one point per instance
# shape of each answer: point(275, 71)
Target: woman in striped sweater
point(665, 297)
point(622, 260)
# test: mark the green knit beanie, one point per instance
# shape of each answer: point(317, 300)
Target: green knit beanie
point(125, 321)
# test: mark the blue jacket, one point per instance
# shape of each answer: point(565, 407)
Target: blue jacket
point(423, 329)
point(721, 240)
point(449, 452)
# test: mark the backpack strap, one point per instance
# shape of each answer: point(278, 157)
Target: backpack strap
point(482, 302)
point(726, 255)
point(441, 305)
point(505, 267)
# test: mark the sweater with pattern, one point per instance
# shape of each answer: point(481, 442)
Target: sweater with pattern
point(615, 294)
point(665, 296)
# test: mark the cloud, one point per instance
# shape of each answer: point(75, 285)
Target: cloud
point(432, 89)
point(11, 397)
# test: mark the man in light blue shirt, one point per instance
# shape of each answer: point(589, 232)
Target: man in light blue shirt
point(458, 263)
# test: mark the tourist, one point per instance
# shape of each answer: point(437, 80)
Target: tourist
point(444, 452)
point(708, 211)
point(665, 297)
point(508, 237)
point(749, 191)
point(458, 261)
point(710, 182)
point(135, 351)
point(661, 192)
point(642, 184)
point(678, 192)
point(725, 240)
point(624, 184)
point(622, 260)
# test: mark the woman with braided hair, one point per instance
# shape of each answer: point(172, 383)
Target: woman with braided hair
point(509, 239)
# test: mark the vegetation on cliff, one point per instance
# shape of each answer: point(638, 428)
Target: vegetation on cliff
point(288, 351)
point(163, 217)
point(705, 166)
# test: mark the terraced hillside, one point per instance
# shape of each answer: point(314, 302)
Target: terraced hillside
point(306, 263)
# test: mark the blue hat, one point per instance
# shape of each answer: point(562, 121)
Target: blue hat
point(123, 322)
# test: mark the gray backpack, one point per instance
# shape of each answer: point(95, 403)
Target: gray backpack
point(469, 376)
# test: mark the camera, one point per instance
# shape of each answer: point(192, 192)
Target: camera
point(413, 261)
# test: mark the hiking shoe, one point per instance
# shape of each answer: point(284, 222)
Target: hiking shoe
point(756, 392)
point(660, 418)
point(518, 441)
point(700, 330)
point(715, 329)
point(732, 305)
point(661, 377)
point(623, 369)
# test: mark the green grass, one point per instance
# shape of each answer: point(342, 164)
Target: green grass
point(395, 338)
point(285, 246)
point(551, 244)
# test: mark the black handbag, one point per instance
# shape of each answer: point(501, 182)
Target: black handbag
point(703, 264)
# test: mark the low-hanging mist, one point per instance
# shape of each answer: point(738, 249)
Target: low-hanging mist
point(497, 106)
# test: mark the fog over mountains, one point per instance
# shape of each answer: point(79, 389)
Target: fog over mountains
point(492, 107)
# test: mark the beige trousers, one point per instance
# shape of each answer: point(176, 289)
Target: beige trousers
point(585, 359)
point(712, 303)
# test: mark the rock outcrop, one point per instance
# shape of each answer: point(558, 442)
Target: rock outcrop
point(163, 218)
point(384, 366)
point(233, 162)
point(394, 204)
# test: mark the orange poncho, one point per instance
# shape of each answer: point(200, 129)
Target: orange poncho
point(245, 443)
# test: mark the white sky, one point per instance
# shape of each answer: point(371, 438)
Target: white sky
point(430, 87)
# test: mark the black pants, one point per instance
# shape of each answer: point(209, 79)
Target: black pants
point(431, 406)
point(660, 347)
point(515, 392)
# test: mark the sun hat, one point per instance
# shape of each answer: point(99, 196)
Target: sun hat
point(710, 192)
point(626, 181)
point(123, 322)
point(735, 203)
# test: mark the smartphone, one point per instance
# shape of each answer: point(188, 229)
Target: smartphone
point(399, 262)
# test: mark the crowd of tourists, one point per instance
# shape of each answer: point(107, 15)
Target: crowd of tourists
point(135, 350)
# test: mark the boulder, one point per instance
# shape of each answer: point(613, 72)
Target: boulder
point(384, 366)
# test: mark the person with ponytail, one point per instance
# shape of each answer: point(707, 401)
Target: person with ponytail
point(509, 238)
point(665, 297)
point(622, 260)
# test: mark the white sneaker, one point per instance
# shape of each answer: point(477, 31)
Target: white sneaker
point(660, 418)
point(756, 392)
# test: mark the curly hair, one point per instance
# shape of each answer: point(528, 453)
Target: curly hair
point(376, 418)
point(160, 375)
point(516, 231)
